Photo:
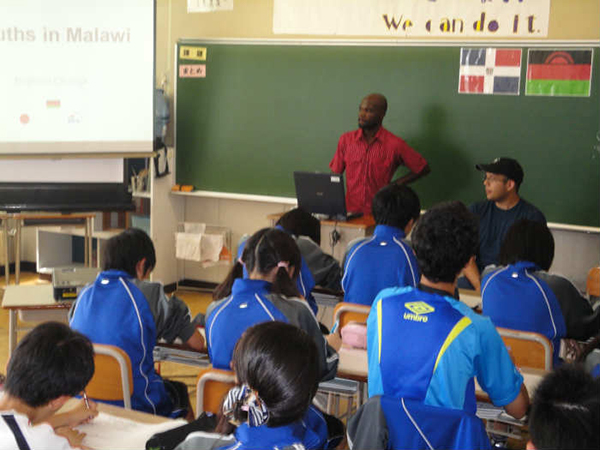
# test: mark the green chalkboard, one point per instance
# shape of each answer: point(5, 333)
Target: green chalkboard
point(263, 111)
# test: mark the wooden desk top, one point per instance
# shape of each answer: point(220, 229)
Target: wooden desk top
point(362, 222)
point(470, 298)
point(117, 411)
point(354, 365)
point(50, 215)
point(121, 428)
point(531, 378)
point(31, 296)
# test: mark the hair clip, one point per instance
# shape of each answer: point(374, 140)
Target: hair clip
point(257, 411)
point(283, 264)
point(240, 261)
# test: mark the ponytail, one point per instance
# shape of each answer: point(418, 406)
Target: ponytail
point(224, 289)
point(284, 284)
point(267, 249)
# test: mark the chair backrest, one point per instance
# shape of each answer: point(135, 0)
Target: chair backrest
point(593, 282)
point(211, 386)
point(113, 378)
point(412, 424)
point(527, 349)
point(345, 312)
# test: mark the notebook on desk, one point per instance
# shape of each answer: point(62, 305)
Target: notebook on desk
point(322, 193)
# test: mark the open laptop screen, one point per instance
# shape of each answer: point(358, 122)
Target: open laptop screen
point(321, 193)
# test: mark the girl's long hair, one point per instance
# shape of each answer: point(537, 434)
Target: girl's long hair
point(264, 251)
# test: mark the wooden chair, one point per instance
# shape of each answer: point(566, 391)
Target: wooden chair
point(113, 379)
point(593, 282)
point(527, 349)
point(345, 312)
point(211, 386)
point(341, 388)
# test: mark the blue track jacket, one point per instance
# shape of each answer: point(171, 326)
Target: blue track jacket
point(114, 311)
point(381, 261)
point(429, 347)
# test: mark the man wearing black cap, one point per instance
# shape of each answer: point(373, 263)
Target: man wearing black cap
point(503, 207)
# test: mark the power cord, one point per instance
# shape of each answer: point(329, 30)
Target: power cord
point(334, 237)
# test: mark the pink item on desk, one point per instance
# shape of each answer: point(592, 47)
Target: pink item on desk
point(354, 335)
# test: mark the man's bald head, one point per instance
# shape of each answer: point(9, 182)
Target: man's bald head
point(372, 111)
point(379, 100)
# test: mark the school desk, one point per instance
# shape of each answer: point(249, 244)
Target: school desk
point(354, 365)
point(32, 303)
point(471, 298)
point(84, 220)
point(121, 428)
point(179, 353)
point(348, 231)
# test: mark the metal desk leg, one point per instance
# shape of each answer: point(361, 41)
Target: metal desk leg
point(86, 247)
point(6, 260)
point(360, 394)
point(18, 252)
point(90, 227)
point(12, 330)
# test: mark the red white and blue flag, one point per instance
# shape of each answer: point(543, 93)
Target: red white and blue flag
point(490, 71)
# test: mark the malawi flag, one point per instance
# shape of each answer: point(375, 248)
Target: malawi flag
point(559, 72)
point(489, 71)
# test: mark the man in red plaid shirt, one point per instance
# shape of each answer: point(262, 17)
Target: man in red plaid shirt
point(371, 155)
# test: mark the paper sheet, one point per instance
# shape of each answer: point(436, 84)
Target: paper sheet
point(110, 432)
point(187, 246)
point(211, 245)
point(198, 247)
point(194, 227)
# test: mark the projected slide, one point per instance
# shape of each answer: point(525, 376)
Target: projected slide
point(77, 76)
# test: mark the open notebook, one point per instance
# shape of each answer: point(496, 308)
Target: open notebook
point(110, 432)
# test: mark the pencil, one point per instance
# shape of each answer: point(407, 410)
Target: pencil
point(86, 400)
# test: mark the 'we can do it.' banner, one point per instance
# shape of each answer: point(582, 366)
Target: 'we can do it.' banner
point(413, 18)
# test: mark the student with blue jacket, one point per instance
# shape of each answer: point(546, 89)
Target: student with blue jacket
point(272, 260)
point(522, 295)
point(423, 344)
point(122, 309)
point(385, 259)
point(306, 231)
point(271, 405)
point(305, 281)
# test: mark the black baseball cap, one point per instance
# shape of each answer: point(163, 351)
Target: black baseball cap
point(504, 166)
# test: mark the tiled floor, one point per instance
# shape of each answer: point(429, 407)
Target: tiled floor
point(197, 301)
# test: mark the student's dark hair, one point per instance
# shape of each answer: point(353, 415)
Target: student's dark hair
point(264, 251)
point(565, 411)
point(52, 360)
point(301, 223)
point(528, 240)
point(444, 240)
point(395, 205)
point(125, 250)
point(285, 380)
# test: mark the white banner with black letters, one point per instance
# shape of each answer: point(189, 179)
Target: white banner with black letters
point(413, 18)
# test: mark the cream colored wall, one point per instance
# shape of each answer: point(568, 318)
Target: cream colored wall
point(252, 19)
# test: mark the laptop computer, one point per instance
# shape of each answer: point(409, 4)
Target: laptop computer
point(322, 193)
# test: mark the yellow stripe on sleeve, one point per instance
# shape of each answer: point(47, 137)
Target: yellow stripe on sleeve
point(458, 328)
